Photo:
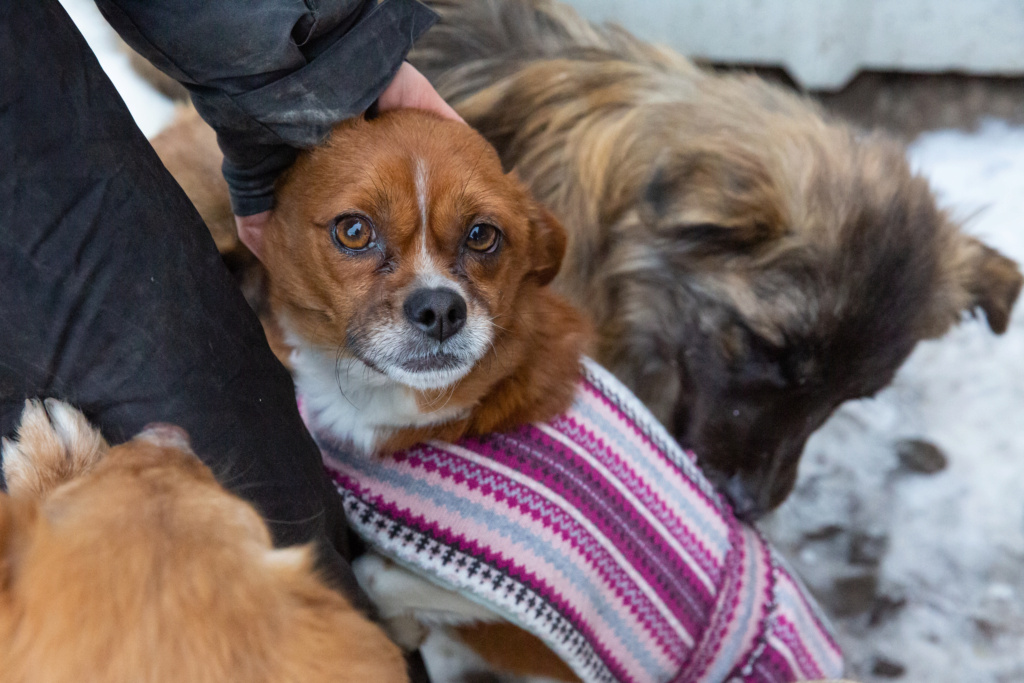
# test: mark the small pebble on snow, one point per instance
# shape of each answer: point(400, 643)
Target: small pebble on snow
point(918, 455)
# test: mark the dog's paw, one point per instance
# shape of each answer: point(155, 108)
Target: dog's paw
point(55, 444)
point(410, 605)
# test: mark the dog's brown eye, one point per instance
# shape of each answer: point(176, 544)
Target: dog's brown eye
point(482, 237)
point(354, 233)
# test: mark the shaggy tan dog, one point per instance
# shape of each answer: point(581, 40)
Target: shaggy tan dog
point(750, 262)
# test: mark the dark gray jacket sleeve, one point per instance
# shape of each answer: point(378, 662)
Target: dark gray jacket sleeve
point(272, 76)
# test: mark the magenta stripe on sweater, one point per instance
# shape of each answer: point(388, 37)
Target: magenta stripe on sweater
point(531, 452)
point(709, 563)
point(723, 620)
point(772, 667)
point(603, 565)
point(786, 633)
point(626, 416)
point(531, 506)
point(542, 510)
point(505, 565)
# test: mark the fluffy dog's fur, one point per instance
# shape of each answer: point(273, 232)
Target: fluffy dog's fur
point(132, 564)
point(749, 262)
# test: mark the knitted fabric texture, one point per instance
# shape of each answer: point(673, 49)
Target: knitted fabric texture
point(598, 534)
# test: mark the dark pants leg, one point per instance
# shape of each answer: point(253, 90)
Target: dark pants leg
point(113, 296)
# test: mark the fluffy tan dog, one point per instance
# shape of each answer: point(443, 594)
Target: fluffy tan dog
point(132, 564)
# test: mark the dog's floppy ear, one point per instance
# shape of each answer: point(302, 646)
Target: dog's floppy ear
point(992, 283)
point(548, 247)
point(714, 199)
point(980, 279)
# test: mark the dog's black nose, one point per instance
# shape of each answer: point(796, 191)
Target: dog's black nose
point(744, 499)
point(439, 312)
point(745, 503)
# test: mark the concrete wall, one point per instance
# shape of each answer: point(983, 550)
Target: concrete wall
point(824, 43)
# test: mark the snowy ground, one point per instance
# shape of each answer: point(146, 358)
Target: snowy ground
point(923, 573)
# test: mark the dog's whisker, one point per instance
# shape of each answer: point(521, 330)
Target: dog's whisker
point(451, 394)
point(301, 521)
point(339, 357)
point(491, 321)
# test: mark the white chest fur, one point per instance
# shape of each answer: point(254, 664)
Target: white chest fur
point(354, 402)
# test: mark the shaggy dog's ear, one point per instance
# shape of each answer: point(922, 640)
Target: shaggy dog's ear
point(992, 283)
point(979, 279)
point(713, 199)
point(549, 241)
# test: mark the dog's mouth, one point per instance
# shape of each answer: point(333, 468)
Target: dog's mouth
point(406, 357)
point(436, 363)
point(424, 372)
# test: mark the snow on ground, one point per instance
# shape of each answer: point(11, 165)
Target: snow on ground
point(921, 572)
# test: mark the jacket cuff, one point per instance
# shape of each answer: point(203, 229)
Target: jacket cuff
point(252, 186)
point(262, 128)
point(341, 82)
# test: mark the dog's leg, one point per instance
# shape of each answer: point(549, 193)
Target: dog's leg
point(55, 444)
point(409, 604)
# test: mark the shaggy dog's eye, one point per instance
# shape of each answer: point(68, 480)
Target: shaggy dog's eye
point(353, 233)
point(483, 237)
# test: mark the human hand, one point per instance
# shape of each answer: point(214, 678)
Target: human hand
point(411, 90)
point(250, 230)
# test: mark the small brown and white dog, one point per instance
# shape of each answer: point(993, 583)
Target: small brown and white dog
point(407, 278)
point(749, 262)
point(407, 281)
point(131, 564)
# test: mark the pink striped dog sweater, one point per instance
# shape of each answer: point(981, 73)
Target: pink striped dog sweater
point(597, 533)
